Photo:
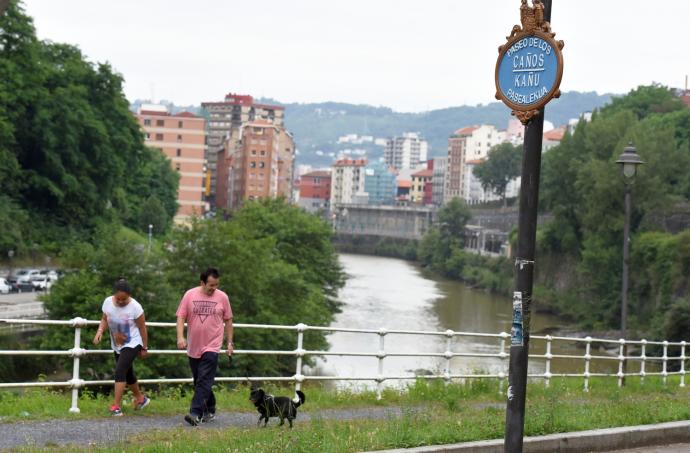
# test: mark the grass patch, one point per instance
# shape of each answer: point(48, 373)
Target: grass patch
point(431, 413)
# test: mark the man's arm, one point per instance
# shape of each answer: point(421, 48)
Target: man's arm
point(229, 335)
point(181, 342)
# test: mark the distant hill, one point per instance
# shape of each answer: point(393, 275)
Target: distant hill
point(317, 126)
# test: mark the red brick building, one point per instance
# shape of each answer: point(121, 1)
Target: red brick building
point(315, 190)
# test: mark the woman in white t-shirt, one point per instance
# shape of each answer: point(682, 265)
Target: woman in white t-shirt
point(124, 317)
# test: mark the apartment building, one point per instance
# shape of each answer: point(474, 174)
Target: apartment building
point(315, 190)
point(255, 164)
point(347, 181)
point(225, 119)
point(407, 151)
point(181, 137)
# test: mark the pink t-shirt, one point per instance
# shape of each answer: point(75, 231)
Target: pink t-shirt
point(205, 316)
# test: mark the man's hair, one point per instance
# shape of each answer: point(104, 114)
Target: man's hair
point(210, 272)
point(122, 285)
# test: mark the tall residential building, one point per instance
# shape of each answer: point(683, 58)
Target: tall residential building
point(256, 164)
point(315, 190)
point(181, 137)
point(347, 181)
point(225, 119)
point(468, 144)
point(407, 151)
point(438, 180)
point(380, 184)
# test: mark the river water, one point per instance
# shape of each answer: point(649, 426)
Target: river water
point(398, 295)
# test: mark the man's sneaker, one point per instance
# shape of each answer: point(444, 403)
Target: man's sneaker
point(142, 404)
point(193, 420)
point(208, 417)
point(115, 411)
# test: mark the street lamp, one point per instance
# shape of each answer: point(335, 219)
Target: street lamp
point(629, 161)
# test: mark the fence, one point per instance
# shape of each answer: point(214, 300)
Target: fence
point(77, 352)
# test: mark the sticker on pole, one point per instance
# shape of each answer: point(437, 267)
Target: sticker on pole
point(516, 330)
point(530, 64)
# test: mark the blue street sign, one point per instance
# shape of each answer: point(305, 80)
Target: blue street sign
point(529, 72)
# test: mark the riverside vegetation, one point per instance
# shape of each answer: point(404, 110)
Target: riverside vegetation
point(579, 252)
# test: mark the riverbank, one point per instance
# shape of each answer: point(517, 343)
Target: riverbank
point(337, 421)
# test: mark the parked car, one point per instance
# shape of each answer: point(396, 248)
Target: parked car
point(41, 282)
point(5, 287)
point(25, 275)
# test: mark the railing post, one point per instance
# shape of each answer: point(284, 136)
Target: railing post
point(299, 377)
point(76, 353)
point(448, 354)
point(502, 356)
point(643, 361)
point(588, 359)
point(664, 372)
point(621, 362)
point(682, 363)
point(381, 355)
point(547, 371)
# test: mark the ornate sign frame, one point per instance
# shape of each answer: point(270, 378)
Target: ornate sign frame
point(533, 25)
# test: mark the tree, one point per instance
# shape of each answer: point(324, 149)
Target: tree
point(152, 213)
point(71, 154)
point(446, 237)
point(502, 166)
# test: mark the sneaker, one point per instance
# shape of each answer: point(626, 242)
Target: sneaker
point(193, 420)
point(142, 404)
point(208, 417)
point(115, 411)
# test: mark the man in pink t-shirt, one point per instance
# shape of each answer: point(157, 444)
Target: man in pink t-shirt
point(208, 314)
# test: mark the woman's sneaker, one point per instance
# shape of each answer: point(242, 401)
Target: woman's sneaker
point(115, 411)
point(142, 404)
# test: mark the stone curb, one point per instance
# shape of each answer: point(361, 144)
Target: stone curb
point(581, 441)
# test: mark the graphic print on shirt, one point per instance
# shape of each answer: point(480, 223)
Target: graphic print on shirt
point(120, 331)
point(204, 309)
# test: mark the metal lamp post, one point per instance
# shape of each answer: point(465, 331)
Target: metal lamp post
point(629, 160)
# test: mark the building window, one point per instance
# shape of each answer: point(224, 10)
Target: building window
point(261, 165)
point(253, 152)
point(159, 136)
point(160, 122)
point(147, 122)
point(179, 138)
point(179, 152)
point(263, 153)
point(179, 124)
point(148, 136)
point(177, 167)
point(252, 164)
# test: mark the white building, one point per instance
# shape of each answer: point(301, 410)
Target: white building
point(347, 181)
point(407, 151)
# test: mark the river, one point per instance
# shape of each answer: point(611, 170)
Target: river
point(396, 294)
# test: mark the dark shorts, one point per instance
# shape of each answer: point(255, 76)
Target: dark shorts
point(124, 365)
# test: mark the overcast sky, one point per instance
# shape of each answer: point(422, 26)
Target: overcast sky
point(408, 55)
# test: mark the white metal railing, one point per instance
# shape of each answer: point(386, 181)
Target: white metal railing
point(77, 352)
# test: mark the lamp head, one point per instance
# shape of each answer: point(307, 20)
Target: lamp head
point(629, 160)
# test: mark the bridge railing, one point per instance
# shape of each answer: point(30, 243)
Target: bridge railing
point(587, 344)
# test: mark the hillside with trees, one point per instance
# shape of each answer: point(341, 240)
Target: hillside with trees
point(72, 156)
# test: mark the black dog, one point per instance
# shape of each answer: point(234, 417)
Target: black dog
point(276, 406)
